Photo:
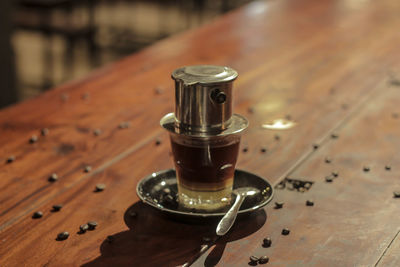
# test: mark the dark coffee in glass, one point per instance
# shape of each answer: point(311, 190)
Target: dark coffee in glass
point(205, 168)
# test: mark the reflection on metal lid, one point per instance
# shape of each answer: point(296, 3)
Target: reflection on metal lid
point(279, 124)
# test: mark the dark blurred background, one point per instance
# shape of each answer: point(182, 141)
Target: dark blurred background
point(44, 43)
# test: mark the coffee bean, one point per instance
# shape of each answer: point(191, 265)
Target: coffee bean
point(110, 239)
point(267, 242)
point(88, 168)
point(278, 205)
point(124, 125)
point(85, 96)
point(254, 259)
point(396, 194)
point(64, 97)
point(263, 150)
point(37, 215)
point(83, 228)
point(10, 159)
point(335, 173)
point(315, 146)
point(328, 160)
point(309, 203)
point(158, 91)
point(33, 139)
point(57, 207)
point(288, 117)
point(132, 214)
point(158, 142)
point(263, 260)
point(245, 149)
point(334, 135)
point(250, 110)
point(62, 236)
point(328, 179)
point(285, 231)
point(53, 177)
point(366, 169)
point(277, 137)
point(92, 225)
point(100, 187)
point(44, 131)
point(388, 168)
point(97, 132)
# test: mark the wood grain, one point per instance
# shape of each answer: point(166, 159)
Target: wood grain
point(327, 64)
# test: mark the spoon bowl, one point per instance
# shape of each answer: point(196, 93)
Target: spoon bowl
point(229, 218)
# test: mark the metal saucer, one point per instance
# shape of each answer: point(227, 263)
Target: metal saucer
point(159, 190)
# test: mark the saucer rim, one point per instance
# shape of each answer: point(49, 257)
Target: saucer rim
point(201, 214)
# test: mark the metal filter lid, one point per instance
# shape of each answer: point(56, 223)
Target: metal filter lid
point(203, 101)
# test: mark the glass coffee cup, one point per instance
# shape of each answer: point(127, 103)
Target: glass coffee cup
point(205, 136)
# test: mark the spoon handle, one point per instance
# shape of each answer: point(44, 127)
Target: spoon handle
point(229, 218)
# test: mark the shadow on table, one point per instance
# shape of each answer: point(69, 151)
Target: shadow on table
point(154, 239)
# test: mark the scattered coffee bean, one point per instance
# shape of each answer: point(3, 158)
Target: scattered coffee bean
point(158, 91)
point(328, 179)
point(263, 150)
point(44, 131)
point(267, 242)
point(85, 96)
point(83, 228)
point(245, 149)
point(100, 187)
point(335, 173)
point(309, 203)
point(263, 260)
point(110, 239)
point(10, 159)
point(64, 97)
point(62, 236)
point(158, 142)
point(37, 215)
point(278, 205)
point(57, 207)
point(288, 117)
point(395, 82)
point(328, 160)
point(254, 259)
point(97, 132)
point(124, 125)
point(285, 231)
point(250, 110)
point(88, 168)
point(132, 214)
point(388, 168)
point(277, 137)
point(366, 168)
point(33, 139)
point(53, 177)
point(334, 135)
point(396, 194)
point(315, 146)
point(92, 225)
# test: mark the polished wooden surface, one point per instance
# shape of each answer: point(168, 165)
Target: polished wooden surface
point(332, 66)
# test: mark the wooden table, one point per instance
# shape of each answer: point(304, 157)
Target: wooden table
point(332, 66)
